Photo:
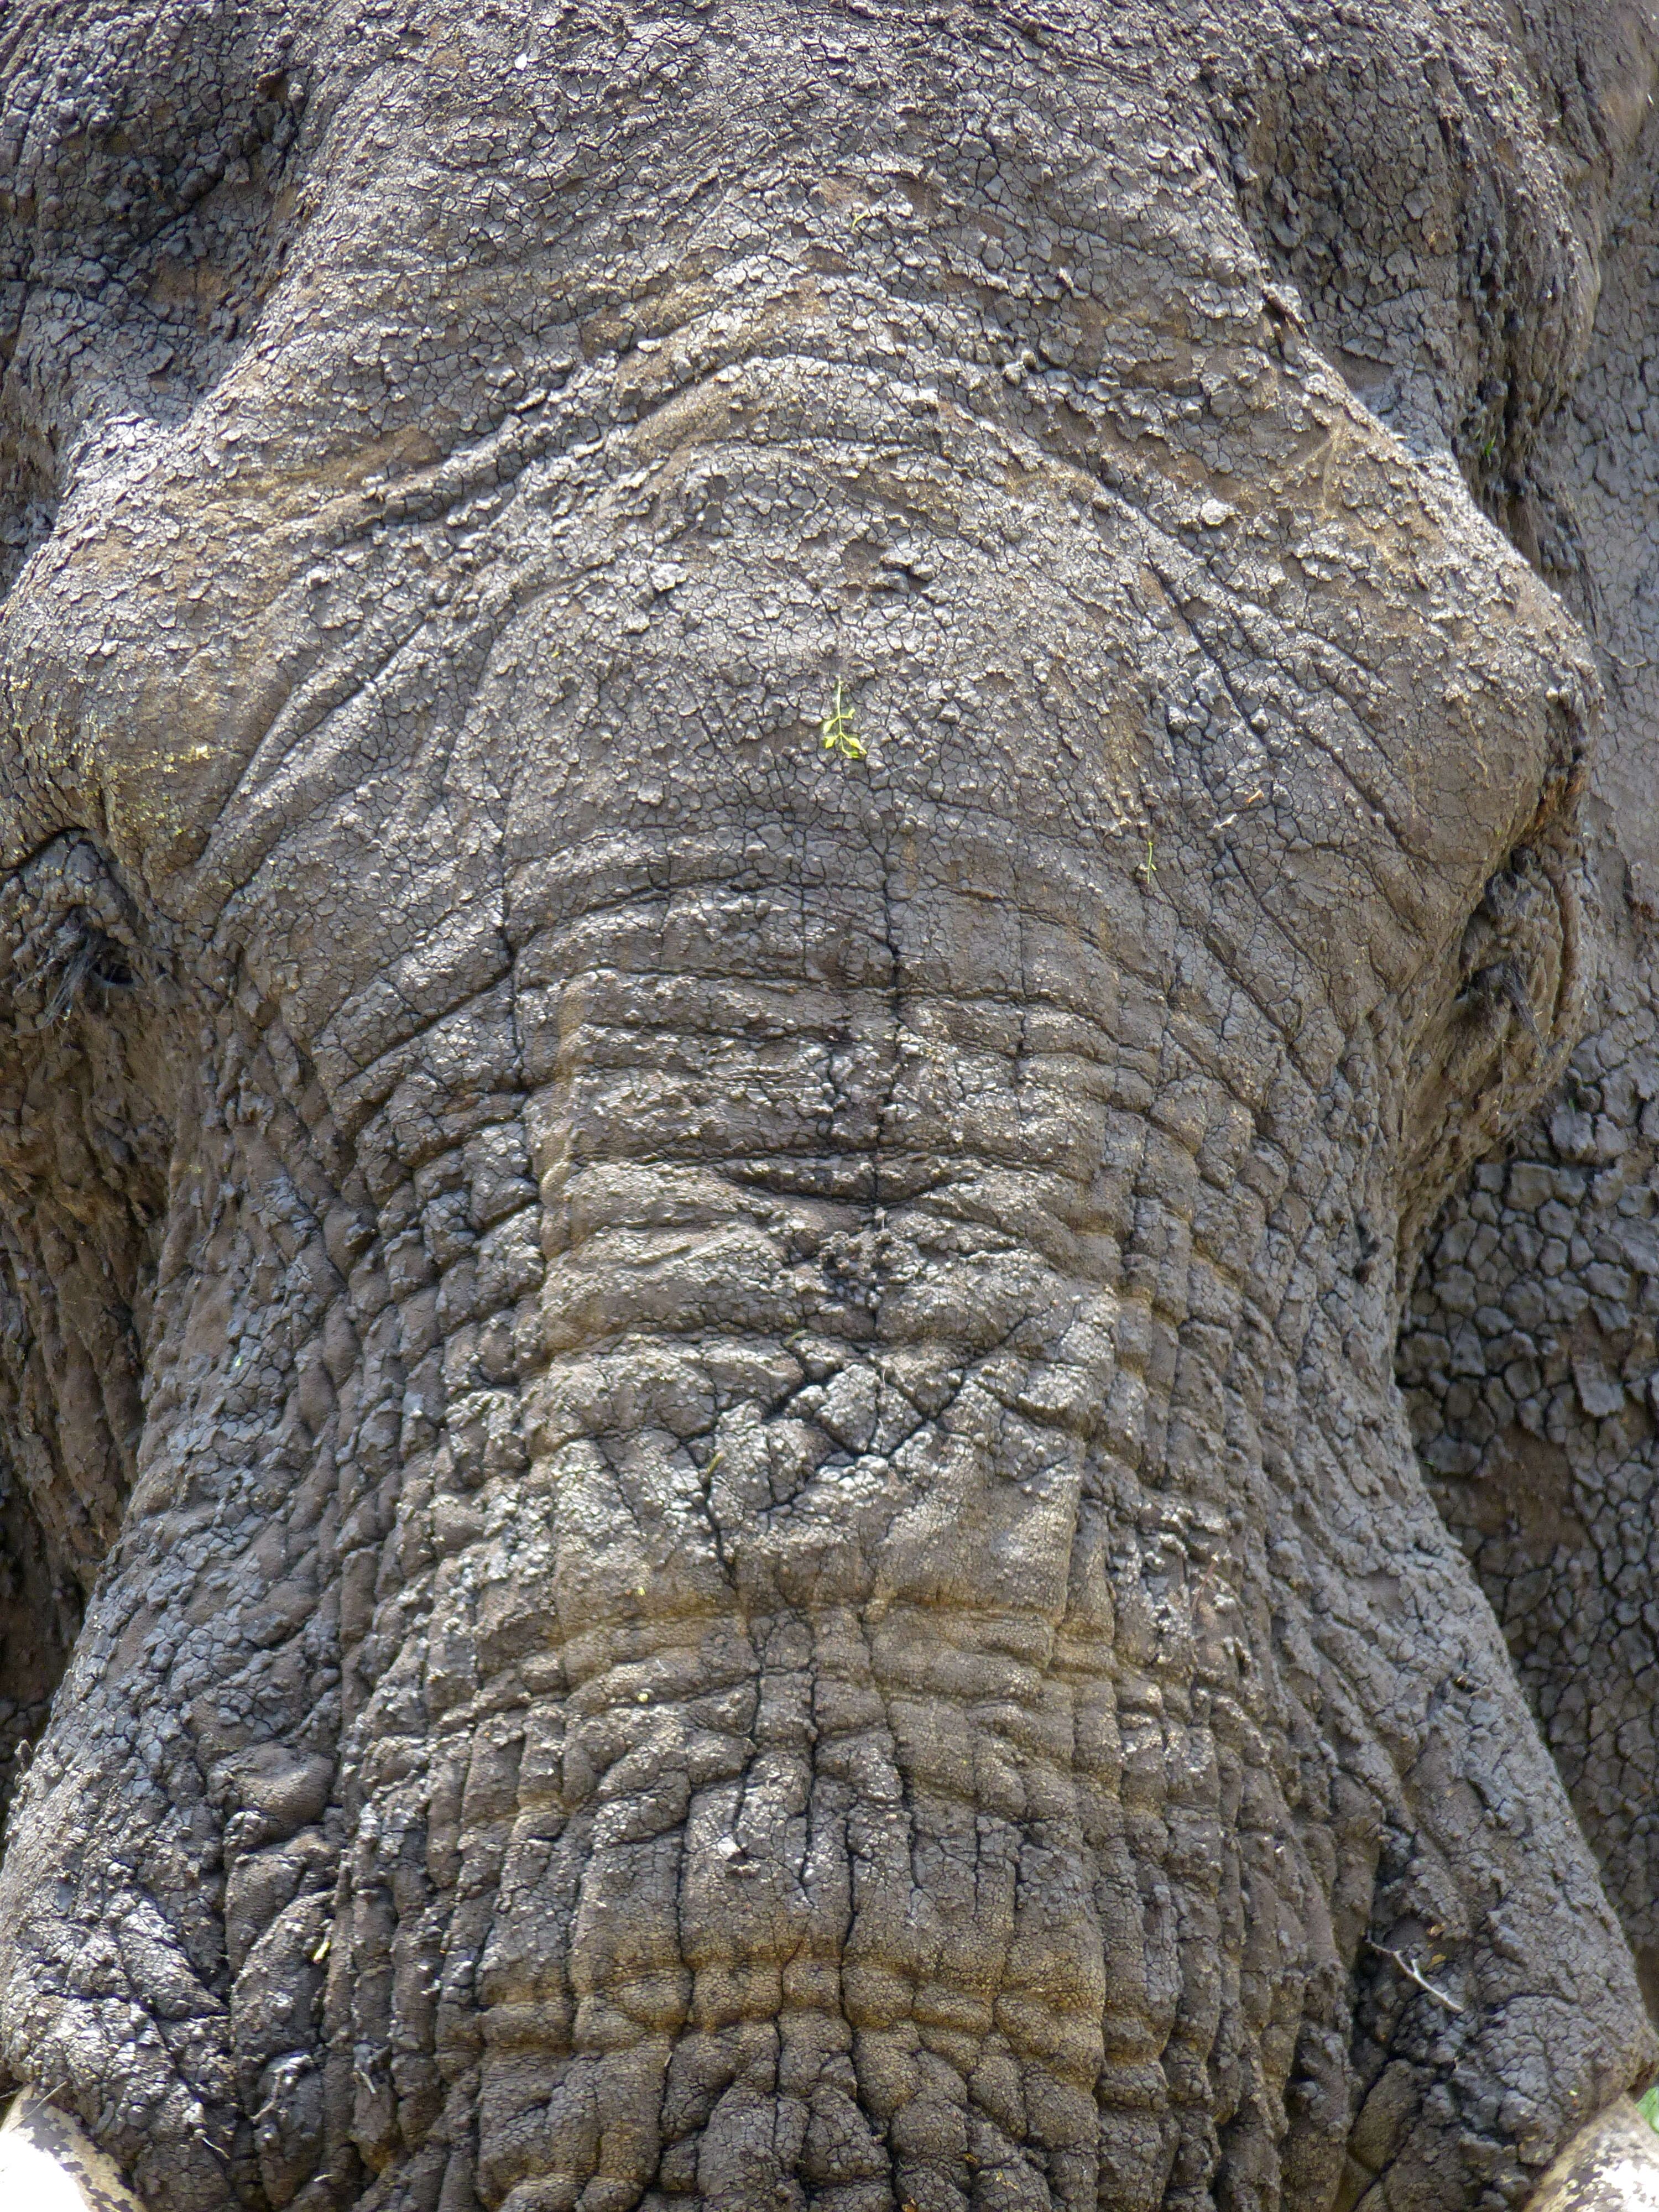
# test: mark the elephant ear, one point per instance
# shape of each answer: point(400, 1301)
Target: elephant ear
point(49, 2164)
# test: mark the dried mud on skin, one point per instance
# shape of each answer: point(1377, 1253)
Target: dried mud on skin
point(782, 791)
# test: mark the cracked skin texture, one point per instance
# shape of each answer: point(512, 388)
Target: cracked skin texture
point(726, 1416)
point(1528, 1356)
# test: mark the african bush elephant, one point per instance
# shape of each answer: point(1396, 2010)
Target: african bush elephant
point(776, 807)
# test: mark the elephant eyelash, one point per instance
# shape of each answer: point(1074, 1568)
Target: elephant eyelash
point(95, 961)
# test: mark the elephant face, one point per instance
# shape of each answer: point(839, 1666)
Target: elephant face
point(763, 854)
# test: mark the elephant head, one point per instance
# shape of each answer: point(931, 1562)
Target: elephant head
point(770, 826)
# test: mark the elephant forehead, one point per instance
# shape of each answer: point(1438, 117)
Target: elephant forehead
point(1022, 343)
point(1337, 672)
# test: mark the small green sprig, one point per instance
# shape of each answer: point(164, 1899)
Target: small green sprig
point(836, 728)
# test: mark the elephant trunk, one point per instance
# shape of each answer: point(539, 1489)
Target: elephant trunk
point(890, 1680)
point(49, 2164)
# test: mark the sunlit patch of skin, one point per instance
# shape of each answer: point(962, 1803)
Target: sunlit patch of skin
point(48, 2163)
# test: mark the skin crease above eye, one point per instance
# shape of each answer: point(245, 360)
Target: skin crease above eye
point(803, 811)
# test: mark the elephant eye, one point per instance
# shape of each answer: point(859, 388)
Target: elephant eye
point(94, 963)
point(66, 935)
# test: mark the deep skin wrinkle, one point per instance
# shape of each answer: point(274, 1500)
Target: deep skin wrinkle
point(725, 1410)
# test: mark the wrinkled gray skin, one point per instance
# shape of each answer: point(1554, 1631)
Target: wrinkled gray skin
point(725, 1413)
point(1529, 1351)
